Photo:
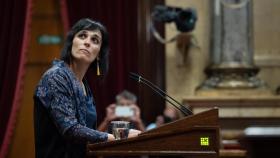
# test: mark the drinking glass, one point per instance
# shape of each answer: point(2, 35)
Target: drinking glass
point(120, 129)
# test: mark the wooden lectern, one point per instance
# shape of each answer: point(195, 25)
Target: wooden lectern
point(194, 136)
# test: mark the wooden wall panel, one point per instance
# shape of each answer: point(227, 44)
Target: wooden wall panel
point(45, 21)
point(44, 53)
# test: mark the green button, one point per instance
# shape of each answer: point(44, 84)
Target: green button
point(204, 141)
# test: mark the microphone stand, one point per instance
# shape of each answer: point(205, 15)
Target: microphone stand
point(185, 110)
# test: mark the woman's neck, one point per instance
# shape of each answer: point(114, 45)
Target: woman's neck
point(79, 70)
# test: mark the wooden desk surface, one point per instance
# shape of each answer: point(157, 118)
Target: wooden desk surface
point(226, 153)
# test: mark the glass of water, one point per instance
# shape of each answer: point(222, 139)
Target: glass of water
point(120, 129)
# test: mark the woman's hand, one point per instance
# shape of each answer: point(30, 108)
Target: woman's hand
point(133, 133)
point(110, 137)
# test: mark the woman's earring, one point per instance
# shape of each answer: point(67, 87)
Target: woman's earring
point(97, 66)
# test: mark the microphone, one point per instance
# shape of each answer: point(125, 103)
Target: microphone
point(185, 110)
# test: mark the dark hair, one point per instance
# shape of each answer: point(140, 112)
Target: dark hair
point(126, 95)
point(88, 24)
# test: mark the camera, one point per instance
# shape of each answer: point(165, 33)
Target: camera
point(124, 111)
point(184, 19)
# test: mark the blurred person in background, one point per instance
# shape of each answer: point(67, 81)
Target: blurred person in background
point(124, 109)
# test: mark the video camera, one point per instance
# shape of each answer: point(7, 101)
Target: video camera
point(184, 19)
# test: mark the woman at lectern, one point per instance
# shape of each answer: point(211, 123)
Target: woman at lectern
point(64, 108)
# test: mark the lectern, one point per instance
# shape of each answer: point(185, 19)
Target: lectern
point(194, 136)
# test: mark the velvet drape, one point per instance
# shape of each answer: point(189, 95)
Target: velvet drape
point(14, 32)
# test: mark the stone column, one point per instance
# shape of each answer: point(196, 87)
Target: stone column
point(232, 65)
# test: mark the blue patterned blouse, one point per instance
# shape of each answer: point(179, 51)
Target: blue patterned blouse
point(64, 118)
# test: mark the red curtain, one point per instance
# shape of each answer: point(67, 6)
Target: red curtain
point(121, 17)
point(14, 31)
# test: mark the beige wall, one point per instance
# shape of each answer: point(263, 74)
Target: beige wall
point(182, 80)
point(267, 40)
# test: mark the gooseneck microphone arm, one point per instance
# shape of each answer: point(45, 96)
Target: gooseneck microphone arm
point(185, 110)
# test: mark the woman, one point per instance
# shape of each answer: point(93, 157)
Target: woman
point(64, 110)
